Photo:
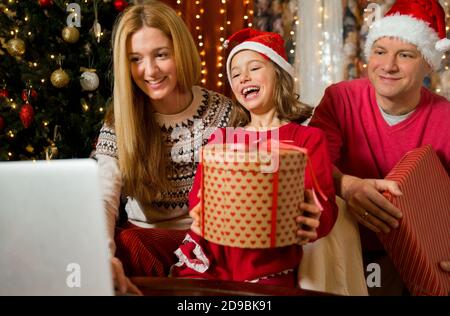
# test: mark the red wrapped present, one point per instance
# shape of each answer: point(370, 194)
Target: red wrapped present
point(423, 237)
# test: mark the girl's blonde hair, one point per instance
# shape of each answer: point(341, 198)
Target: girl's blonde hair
point(141, 149)
point(287, 105)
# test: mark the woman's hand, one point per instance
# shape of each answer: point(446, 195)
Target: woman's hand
point(308, 222)
point(121, 282)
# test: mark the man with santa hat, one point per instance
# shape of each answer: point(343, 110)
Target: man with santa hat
point(372, 123)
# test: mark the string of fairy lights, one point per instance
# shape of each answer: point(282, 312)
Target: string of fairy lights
point(223, 31)
point(447, 28)
point(446, 56)
point(294, 35)
point(219, 49)
point(324, 52)
point(16, 33)
point(197, 34)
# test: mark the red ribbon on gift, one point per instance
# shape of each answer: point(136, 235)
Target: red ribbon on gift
point(285, 144)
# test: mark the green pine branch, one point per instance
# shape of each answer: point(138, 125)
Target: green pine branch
point(40, 29)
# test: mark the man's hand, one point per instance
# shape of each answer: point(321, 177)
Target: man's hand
point(367, 203)
point(445, 265)
point(308, 222)
point(121, 282)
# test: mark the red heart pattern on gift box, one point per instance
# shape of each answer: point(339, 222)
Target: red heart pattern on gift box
point(238, 197)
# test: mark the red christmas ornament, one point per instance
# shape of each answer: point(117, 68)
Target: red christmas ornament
point(33, 94)
point(2, 123)
point(4, 93)
point(26, 115)
point(120, 5)
point(45, 3)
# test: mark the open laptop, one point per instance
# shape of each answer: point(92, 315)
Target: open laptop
point(53, 238)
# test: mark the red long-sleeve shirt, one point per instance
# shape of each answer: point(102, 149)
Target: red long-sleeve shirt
point(362, 144)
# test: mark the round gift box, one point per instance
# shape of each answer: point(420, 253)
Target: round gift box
point(251, 198)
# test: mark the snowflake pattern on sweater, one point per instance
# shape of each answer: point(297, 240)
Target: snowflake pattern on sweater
point(208, 111)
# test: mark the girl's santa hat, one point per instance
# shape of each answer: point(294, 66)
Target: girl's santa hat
point(419, 22)
point(268, 44)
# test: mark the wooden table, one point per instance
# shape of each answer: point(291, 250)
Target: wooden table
point(156, 286)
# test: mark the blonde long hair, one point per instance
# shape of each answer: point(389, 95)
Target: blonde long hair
point(141, 149)
point(287, 105)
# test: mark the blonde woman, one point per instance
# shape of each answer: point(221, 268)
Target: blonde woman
point(147, 148)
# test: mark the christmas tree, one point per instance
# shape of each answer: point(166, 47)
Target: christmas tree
point(55, 76)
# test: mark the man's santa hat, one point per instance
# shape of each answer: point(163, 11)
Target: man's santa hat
point(419, 22)
point(268, 44)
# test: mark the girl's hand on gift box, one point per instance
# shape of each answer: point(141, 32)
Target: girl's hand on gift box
point(195, 213)
point(309, 220)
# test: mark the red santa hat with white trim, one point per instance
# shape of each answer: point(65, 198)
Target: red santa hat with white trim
point(419, 22)
point(268, 44)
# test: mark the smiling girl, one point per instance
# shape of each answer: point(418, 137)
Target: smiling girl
point(262, 82)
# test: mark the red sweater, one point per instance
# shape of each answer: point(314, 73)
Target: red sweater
point(362, 144)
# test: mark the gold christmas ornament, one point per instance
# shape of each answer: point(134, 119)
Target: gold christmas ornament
point(16, 47)
point(51, 151)
point(84, 105)
point(59, 78)
point(29, 148)
point(70, 34)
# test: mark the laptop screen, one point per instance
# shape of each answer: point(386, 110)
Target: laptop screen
point(53, 238)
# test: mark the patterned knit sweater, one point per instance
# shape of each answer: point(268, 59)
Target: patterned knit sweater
point(184, 134)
